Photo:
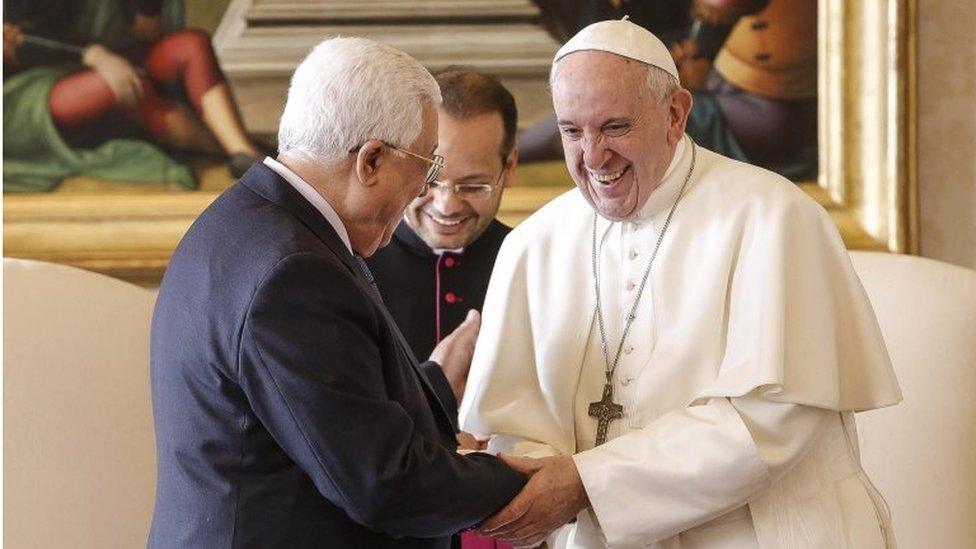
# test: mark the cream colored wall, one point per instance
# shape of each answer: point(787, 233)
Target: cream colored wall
point(947, 130)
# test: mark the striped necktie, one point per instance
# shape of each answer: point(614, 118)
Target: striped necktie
point(368, 275)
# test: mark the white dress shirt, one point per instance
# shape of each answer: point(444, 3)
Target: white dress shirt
point(317, 200)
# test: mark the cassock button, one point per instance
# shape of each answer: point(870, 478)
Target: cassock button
point(628, 349)
point(452, 298)
point(631, 285)
point(626, 381)
point(634, 254)
point(449, 262)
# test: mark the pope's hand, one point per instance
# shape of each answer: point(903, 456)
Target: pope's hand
point(551, 498)
point(454, 353)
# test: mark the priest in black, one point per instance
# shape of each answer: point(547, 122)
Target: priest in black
point(438, 264)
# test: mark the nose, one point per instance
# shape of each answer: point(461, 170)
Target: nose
point(446, 201)
point(595, 152)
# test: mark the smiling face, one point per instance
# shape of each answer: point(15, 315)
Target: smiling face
point(470, 147)
point(618, 137)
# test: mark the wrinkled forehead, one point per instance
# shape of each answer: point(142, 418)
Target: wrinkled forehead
point(593, 65)
point(597, 85)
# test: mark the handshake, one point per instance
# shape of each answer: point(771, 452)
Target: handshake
point(551, 498)
point(554, 493)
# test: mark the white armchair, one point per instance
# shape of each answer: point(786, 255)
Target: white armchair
point(922, 453)
point(79, 462)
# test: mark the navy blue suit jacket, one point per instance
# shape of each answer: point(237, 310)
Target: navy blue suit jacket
point(289, 411)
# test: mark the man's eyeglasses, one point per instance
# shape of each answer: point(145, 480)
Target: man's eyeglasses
point(469, 191)
point(436, 164)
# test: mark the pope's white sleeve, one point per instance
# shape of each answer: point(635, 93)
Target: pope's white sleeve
point(782, 432)
point(693, 465)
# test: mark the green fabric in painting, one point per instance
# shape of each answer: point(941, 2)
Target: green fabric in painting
point(36, 158)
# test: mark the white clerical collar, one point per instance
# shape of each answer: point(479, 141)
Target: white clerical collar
point(663, 197)
point(318, 201)
point(442, 251)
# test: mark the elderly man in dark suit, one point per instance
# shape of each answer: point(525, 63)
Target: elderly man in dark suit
point(290, 411)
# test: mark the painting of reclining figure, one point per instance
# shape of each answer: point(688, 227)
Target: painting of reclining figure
point(119, 91)
point(118, 115)
point(114, 90)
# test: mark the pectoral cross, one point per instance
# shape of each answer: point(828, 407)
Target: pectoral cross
point(605, 410)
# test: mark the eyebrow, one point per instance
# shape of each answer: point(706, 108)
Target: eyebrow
point(473, 176)
point(614, 120)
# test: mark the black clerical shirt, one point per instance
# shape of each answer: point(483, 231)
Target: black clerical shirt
point(430, 294)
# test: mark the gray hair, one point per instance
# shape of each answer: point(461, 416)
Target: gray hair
point(349, 90)
point(658, 83)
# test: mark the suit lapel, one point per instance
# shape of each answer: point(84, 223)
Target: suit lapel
point(268, 184)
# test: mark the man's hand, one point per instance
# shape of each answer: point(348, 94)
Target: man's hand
point(468, 443)
point(454, 353)
point(117, 72)
point(551, 498)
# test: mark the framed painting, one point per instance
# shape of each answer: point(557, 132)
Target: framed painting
point(865, 177)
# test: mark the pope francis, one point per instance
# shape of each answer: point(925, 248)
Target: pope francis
point(680, 342)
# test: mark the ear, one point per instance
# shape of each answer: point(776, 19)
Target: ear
point(680, 108)
point(510, 164)
point(368, 162)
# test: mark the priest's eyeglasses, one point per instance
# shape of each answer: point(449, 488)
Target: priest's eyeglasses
point(469, 191)
point(436, 165)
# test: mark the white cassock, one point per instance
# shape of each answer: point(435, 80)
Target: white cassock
point(753, 345)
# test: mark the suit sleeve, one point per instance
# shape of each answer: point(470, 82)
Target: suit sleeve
point(442, 389)
point(311, 366)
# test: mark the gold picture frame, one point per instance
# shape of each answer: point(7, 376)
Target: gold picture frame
point(867, 175)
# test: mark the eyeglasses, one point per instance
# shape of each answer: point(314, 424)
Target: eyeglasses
point(436, 164)
point(469, 191)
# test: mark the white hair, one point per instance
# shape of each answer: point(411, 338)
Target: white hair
point(658, 83)
point(350, 90)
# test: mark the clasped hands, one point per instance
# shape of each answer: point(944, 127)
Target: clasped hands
point(551, 498)
point(554, 493)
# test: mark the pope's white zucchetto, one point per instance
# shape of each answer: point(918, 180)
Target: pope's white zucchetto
point(622, 38)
